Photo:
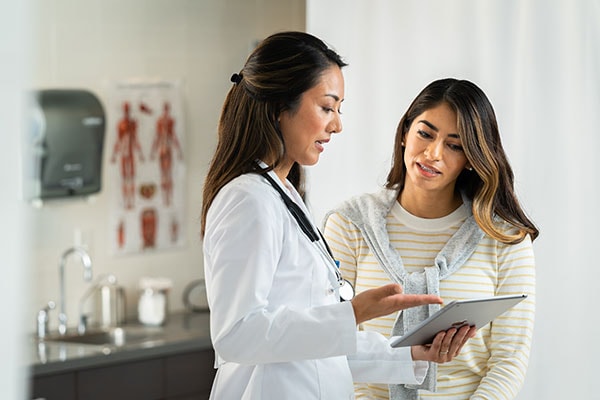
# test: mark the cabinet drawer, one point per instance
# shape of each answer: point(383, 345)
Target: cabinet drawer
point(190, 373)
point(143, 380)
point(54, 387)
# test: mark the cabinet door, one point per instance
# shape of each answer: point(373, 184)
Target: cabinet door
point(54, 387)
point(190, 374)
point(143, 380)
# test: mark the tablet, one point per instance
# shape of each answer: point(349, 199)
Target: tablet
point(478, 312)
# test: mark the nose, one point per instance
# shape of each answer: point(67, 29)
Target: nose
point(433, 151)
point(336, 124)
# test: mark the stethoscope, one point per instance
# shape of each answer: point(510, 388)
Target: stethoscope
point(345, 290)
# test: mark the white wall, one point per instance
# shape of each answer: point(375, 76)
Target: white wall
point(539, 62)
point(85, 44)
point(14, 225)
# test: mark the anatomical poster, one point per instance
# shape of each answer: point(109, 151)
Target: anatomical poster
point(146, 169)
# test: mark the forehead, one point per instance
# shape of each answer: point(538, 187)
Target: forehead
point(330, 83)
point(441, 118)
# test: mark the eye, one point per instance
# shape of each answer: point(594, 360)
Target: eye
point(331, 109)
point(455, 147)
point(423, 134)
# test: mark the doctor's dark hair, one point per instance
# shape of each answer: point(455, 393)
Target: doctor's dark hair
point(276, 74)
point(490, 184)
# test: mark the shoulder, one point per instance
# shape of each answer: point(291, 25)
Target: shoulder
point(522, 250)
point(366, 205)
point(248, 193)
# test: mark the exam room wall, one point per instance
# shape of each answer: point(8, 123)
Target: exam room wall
point(539, 62)
point(199, 42)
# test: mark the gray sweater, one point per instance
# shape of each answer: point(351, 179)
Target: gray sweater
point(368, 213)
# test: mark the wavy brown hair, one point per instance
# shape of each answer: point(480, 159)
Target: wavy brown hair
point(273, 79)
point(490, 185)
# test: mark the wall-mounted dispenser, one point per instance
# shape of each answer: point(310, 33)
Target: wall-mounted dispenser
point(64, 144)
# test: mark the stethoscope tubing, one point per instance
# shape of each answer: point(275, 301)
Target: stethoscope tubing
point(309, 231)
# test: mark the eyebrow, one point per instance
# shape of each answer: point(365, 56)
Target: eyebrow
point(334, 96)
point(435, 128)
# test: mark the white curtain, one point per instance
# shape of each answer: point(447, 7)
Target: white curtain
point(539, 63)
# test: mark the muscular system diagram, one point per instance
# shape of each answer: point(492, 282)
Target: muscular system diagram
point(164, 143)
point(148, 209)
point(125, 146)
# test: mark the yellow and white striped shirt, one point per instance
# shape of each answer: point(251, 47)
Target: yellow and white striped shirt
point(492, 365)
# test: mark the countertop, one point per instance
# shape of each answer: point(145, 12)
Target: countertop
point(182, 332)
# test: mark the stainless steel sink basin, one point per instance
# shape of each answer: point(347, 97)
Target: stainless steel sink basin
point(113, 337)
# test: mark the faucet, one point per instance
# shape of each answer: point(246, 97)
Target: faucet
point(83, 318)
point(42, 320)
point(87, 276)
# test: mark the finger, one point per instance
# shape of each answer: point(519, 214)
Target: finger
point(472, 332)
point(462, 336)
point(448, 344)
point(413, 300)
point(436, 345)
point(392, 288)
point(469, 332)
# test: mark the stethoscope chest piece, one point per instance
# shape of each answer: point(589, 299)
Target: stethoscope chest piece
point(346, 290)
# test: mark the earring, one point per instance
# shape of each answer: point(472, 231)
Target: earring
point(402, 143)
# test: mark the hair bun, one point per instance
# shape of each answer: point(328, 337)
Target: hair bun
point(236, 78)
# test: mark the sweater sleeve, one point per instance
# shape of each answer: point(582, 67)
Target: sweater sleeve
point(511, 334)
point(342, 239)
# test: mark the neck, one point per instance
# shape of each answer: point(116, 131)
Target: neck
point(424, 204)
point(283, 170)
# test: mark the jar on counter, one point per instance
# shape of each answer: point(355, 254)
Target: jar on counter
point(153, 301)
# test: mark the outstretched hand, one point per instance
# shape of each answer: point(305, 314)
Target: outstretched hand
point(387, 299)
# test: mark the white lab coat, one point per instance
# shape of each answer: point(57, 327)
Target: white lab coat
point(277, 326)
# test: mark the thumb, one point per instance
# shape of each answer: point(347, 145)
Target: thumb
point(391, 289)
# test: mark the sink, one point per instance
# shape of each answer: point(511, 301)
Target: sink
point(114, 337)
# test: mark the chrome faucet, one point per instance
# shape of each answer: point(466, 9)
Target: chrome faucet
point(87, 276)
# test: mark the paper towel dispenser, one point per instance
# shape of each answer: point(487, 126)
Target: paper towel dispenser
point(64, 145)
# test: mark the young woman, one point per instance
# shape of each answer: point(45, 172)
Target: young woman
point(278, 326)
point(447, 223)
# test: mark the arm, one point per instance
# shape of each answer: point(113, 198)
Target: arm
point(510, 338)
point(244, 241)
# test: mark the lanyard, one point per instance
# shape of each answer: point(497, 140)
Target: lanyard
point(346, 291)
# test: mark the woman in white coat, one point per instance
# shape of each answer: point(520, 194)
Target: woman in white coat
point(279, 325)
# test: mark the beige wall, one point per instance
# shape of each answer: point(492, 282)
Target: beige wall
point(89, 43)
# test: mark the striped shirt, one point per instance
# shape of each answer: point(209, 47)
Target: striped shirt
point(492, 365)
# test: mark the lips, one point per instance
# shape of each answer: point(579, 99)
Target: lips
point(320, 143)
point(428, 169)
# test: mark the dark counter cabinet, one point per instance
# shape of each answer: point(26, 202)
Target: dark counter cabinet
point(183, 376)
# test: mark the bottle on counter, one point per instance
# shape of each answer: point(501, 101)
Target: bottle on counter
point(153, 301)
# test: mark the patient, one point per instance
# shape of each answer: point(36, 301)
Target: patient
point(448, 223)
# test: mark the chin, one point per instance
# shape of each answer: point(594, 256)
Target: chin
point(309, 163)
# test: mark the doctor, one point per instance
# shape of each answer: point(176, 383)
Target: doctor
point(279, 325)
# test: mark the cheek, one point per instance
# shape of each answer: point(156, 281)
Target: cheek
point(459, 164)
point(411, 150)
